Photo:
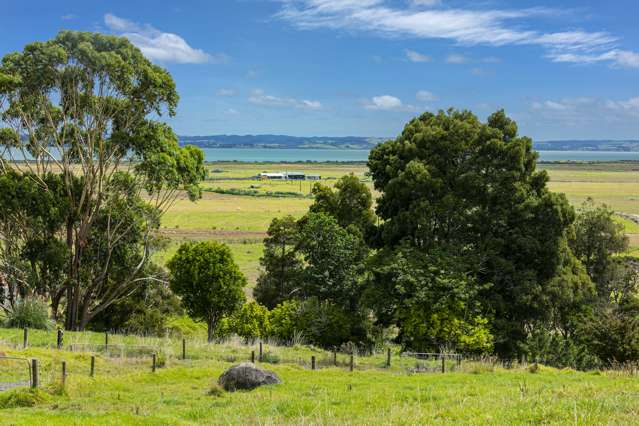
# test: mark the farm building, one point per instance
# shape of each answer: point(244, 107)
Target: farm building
point(313, 177)
point(295, 176)
point(272, 176)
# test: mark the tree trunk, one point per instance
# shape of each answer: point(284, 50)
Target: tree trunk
point(211, 329)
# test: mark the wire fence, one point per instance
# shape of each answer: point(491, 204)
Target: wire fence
point(15, 372)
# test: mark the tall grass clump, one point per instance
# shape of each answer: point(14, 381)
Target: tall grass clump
point(32, 313)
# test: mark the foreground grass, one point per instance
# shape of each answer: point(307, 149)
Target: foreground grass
point(127, 392)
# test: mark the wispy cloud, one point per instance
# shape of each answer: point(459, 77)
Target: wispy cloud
point(226, 92)
point(456, 58)
point(584, 111)
point(259, 97)
point(425, 96)
point(160, 46)
point(68, 17)
point(464, 26)
point(413, 56)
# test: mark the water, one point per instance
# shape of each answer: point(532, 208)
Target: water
point(252, 155)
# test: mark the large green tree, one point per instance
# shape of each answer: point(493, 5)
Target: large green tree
point(450, 183)
point(84, 106)
point(209, 282)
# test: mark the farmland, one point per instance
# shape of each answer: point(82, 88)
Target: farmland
point(242, 221)
point(124, 390)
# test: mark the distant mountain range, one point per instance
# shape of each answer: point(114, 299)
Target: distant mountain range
point(356, 142)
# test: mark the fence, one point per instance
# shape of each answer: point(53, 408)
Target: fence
point(15, 372)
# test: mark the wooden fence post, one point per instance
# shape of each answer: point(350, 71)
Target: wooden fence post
point(313, 362)
point(92, 374)
point(34, 373)
point(60, 338)
point(388, 357)
point(261, 353)
point(106, 341)
point(64, 372)
point(335, 357)
point(352, 364)
point(443, 363)
point(154, 363)
point(459, 360)
point(253, 357)
point(25, 338)
point(183, 349)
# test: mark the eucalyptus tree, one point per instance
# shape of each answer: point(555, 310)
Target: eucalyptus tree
point(86, 107)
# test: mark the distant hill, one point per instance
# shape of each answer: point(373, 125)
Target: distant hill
point(281, 141)
point(356, 142)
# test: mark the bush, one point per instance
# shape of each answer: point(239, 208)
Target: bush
point(284, 320)
point(252, 322)
point(184, 326)
point(323, 323)
point(32, 313)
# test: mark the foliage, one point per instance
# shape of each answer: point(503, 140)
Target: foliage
point(350, 203)
point(207, 279)
point(183, 326)
point(31, 313)
point(334, 260)
point(284, 320)
point(252, 321)
point(22, 398)
point(432, 300)
point(325, 324)
point(281, 263)
point(452, 184)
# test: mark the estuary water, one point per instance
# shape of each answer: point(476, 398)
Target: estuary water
point(252, 155)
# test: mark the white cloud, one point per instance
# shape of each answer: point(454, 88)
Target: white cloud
point(68, 17)
point(160, 46)
point(493, 27)
point(231, 111)
point(385, 103)
point(456, 58)
point(416, 56)
point(425, 96)
point(259, 97)
point(226, 92)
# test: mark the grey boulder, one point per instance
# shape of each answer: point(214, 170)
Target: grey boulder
point(246, 376)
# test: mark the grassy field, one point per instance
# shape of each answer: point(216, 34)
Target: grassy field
point(125, 391)
point(242, 221)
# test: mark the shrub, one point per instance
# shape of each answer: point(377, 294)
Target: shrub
point(270, 358)
point(252, 322)
point(216, 391)
point(323, 323)
point(32, 313)
point(184, 326)
point(284, 320)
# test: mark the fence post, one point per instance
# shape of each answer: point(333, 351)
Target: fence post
point(313, 362)
point(154, 363)
point(352, 364)
point(60, 338)
point(34, 373)
point(459, 360)
point(106, 341)
point(25, 338)
point(335, 357)
point(388, 357)
point(183, 349)
point(260, 358)
point(92, 374)
point(64, 372)
point(443, 363)
point(253, 357)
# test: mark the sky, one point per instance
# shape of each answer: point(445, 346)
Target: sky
point(563, 69)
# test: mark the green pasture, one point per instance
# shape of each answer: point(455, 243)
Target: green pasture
point(124, 391)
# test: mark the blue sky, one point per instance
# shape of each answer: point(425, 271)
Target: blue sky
point(564, 69)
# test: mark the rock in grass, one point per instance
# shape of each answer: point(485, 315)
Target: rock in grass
point(246, 376)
